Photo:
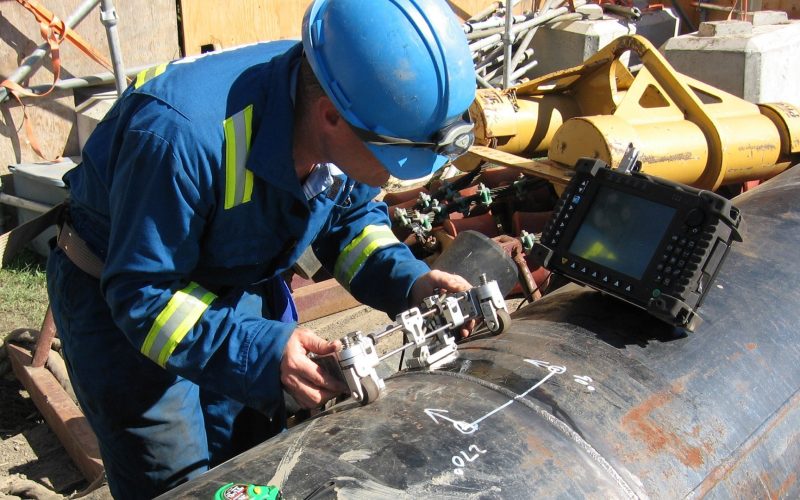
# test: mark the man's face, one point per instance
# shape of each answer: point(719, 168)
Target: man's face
point(355, 160)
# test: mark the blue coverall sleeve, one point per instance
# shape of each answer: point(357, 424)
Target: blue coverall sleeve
point(160, 199)
point(359, 249)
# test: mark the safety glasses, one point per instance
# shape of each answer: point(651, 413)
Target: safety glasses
point(452, 141)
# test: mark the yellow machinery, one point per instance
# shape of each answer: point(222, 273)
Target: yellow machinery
point(687, 131)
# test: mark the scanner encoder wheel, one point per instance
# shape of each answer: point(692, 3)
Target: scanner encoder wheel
point(503, 322)
point(371, 391)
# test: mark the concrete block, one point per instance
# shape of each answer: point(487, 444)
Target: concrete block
point(657, 25)
point(90, 112)
point(590, 11)
point(42, 183)
point(569, 43)
point(762, 65)
point(725, 28)
point(767, 17)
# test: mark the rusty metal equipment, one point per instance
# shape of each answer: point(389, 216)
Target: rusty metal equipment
point(59, 410)
point(583, 397)
point(688, 131)
point(499, 203)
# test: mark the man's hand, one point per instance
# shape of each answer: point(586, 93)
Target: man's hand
point(305, 380)
point(427, 285)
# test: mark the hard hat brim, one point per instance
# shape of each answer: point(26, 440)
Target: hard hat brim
point(408, 162)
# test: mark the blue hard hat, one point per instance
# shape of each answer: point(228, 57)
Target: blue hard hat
point(401, 74)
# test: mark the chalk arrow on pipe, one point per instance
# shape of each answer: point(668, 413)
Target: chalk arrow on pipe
point(468, 428)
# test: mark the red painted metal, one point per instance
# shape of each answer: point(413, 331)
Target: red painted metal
point(532, 278)
point(482, 223)
point(494, 177)
point(398, 197)
point(533, 222)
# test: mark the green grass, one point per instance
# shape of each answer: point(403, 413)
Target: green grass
point(23, 293)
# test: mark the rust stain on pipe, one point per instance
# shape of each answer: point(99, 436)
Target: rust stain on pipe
point(723, 470)
point(640, 423)
point(782, 490)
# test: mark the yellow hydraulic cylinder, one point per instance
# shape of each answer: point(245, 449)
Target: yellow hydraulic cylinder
point(686, 130)
point(519, 126)
point(787, 120)
point(675, 150)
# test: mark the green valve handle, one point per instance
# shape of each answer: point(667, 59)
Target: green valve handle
point(238, 491)
point(527, 241)
point(485, 194)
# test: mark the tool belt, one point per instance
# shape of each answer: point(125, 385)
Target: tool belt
point(74, 247)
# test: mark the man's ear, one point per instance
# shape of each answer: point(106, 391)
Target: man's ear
point(328, 115)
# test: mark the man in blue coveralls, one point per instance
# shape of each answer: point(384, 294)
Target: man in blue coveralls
point(207, 180)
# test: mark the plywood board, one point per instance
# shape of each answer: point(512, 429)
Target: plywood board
point(51, 119)
point(148, 34)
point(207, 23)
point(209, 26)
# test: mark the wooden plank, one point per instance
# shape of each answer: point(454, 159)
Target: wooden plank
point(791, 7)
point(62, 415)
point(466, 8)
point(322, 299)
point(545, 169)
point(147, 31)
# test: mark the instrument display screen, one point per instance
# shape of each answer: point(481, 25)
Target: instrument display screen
point(622, 231)
point(648, 241)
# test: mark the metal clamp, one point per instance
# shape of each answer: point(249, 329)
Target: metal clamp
point(430, 333)
point(355, 364)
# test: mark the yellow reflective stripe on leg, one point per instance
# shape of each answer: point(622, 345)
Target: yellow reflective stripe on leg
point(238, 180)
point(356, 253)
point(176, 319)
point(148, 74)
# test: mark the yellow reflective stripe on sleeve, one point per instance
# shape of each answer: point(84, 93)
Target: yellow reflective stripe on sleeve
point(148, 74)
point(356, 253)
point(238, 180)
point(176, 319)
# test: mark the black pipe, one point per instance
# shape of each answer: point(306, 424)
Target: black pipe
point(584, 396)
